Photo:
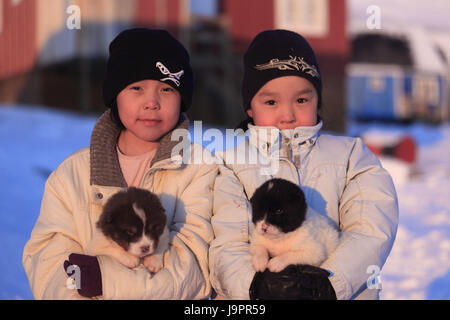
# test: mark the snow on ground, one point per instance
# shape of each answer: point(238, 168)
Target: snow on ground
point(419, 264)
point(35, 140)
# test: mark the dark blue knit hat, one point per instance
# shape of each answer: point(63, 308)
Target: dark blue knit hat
point(146, 54)
point(277, 53)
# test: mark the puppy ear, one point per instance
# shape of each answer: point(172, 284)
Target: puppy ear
point(106, 218)
point(109, 219)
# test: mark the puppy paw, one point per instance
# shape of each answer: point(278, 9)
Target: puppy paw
point(130, 261)
point(259, 262)
point(154, 263)
point(276, 264)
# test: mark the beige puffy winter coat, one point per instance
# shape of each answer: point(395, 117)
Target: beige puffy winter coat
point(340, 177)
point(73, 200)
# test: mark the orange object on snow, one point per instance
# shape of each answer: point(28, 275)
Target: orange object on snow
point(404, 149)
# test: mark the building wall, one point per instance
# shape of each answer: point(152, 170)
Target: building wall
point(17, 36)
point(335, 42)
point(43, 61)
point(161, 13)
point(247, 18)
point(35, 30)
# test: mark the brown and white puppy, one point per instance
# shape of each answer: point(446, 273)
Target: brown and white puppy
point(286, 232)
point(132, 226)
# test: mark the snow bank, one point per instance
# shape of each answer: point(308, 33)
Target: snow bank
point(33, 142)
point(419, 264)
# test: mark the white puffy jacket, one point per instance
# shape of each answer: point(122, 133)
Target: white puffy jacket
point(340, 177)
point(74, 196)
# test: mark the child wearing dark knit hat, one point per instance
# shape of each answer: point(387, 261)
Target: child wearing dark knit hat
point(148, 86)
point(274, 54)
point(139, 54)
point(340, 177)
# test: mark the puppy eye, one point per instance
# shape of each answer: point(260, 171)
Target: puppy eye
point(279, 211)
point(156, 229)
point(130, 232)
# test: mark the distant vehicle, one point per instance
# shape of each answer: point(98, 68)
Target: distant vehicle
point(396, 76)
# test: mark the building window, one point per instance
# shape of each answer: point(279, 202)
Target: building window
point(307, 17)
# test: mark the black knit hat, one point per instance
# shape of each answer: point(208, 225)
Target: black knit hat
point(145, 54)
point(277, 53)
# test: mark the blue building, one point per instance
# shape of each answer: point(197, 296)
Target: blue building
point(396, 76)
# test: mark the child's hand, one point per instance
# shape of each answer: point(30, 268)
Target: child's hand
point(295, 282)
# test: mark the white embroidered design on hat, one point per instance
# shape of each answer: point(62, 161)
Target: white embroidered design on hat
point(175, 77)
point(294, 63)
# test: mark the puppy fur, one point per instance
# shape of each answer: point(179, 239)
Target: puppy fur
point(132, 226)
point(286, 232)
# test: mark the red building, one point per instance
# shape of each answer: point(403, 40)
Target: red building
point(40, 49)
point(17, 49)
point(45, 61)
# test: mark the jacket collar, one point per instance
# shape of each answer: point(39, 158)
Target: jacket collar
point(105, 167)
point(271, 139)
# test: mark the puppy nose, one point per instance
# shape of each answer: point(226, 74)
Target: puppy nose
point(145, 249)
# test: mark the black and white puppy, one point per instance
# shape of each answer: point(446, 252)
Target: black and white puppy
point(132, 226)
point(286, 232)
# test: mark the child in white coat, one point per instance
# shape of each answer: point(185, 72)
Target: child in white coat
point(148, 86)
point(340, 177)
